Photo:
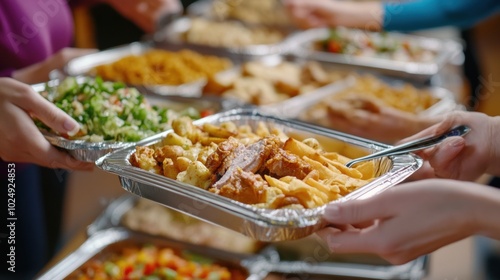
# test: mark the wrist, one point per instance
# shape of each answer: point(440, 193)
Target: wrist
point(32, 74)
point(494, 166)
point(487, 207)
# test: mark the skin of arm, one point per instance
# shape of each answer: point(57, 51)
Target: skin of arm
point(412, 219)
point(145, 13)
point(21, 140)
point(374, 15)
point(39, 72)
point(323, 13)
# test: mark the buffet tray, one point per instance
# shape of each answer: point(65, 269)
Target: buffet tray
point(422, 71)
point(307, 256)
point(291, 107)
point(84, 65)
point(277, 17)
point(172, 33)
point(110, 240)
point(91, 151)
point(258, 223)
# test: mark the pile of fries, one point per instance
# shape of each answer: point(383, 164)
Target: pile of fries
point(184, 155)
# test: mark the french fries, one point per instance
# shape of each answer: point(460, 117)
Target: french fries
point(183, 155)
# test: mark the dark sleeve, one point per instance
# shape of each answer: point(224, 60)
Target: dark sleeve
point(424, 14)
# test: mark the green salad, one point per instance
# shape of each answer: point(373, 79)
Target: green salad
point(110, 111)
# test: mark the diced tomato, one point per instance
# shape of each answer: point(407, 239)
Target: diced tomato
point(206, 113)
point(128, 270)
point(149, 268)
point(334, 46)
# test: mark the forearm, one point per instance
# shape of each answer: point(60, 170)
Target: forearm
point(32, 74)
point(494, 163)
point(364, 15)
point(487, 207)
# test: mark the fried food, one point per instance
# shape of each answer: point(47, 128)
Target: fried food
point(265, 12)
point(161, 67)
point(229, 34)
point(370, 94)
point(260, 84)
point(260, 166)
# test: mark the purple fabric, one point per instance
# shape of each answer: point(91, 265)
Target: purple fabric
point(31, 31)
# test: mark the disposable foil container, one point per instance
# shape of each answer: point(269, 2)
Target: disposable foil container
point(112, 240)
point(446, 51)
point(90, 151)
point(258, 223)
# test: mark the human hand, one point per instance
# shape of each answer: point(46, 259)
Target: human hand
point(39, 72)
point(412, 219)
point(146, 13)
point(21, 140)
point(369, 118)
point(331, 13)
point(468, 157)
point(309, 14)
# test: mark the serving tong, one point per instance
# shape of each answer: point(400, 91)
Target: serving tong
point(415, 145)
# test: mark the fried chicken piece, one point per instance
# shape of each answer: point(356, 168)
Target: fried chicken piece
point(170, 151)
point(143, 157)
point(250, 158)
point(220, 156)
point(243, 186)
point(284, 163)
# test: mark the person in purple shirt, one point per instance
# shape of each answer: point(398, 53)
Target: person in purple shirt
point(35, 36)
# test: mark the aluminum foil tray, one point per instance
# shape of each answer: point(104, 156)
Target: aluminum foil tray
point(293, 106)
point(111, 240)
point(84, 65)
point(91, 151)
point(446, 50)
point(277, 17)
point(258, 223)
point(172, 34)
point(447, 100)
point(308, 256)
point(141, 215)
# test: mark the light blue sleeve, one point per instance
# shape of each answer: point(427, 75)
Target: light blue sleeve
point(424, 14)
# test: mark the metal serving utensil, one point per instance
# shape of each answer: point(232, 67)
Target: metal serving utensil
point(415, 145)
